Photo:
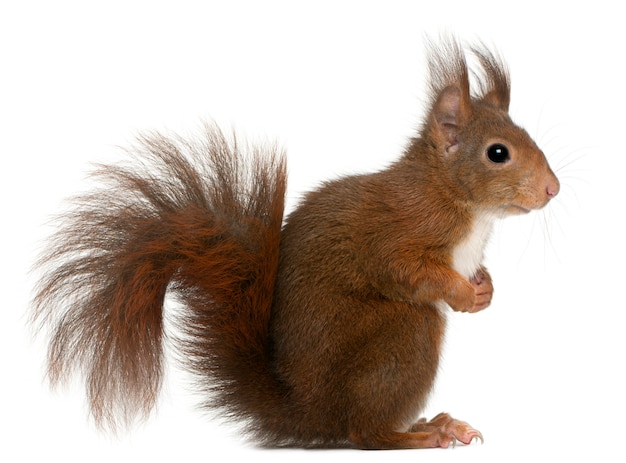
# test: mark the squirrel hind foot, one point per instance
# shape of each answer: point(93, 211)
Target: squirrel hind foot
point(445, 425)
point(442, 431)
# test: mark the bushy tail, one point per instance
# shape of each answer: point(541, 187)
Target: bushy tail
point(201, 220)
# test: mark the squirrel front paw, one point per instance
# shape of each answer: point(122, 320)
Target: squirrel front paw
point(462, 298)
point(473, 295)
point(483, 288)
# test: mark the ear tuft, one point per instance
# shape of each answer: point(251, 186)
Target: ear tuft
point(495, 87)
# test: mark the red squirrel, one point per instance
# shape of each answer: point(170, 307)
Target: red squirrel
point(323, 329)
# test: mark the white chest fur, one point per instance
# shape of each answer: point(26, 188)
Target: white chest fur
point(468, 254)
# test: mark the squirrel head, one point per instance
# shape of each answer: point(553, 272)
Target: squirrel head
point(478, 150)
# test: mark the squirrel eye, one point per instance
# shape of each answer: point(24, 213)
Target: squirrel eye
point(498, 153)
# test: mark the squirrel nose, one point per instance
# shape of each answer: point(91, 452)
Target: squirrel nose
point(553, 187)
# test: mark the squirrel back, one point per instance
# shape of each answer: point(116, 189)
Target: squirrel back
point(322, 330)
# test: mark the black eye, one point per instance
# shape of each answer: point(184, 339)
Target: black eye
point(498, 153)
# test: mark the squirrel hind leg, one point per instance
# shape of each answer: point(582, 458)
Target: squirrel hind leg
point(440, 432)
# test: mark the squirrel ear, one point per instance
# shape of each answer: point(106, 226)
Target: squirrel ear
point(449, 114)
point(498, 98)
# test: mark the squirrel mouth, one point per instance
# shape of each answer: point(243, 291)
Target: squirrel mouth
point(517, 210)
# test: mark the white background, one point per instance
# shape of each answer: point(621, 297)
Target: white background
point(341, 86)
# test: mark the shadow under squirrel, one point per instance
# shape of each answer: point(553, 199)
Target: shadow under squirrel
point(324, 329)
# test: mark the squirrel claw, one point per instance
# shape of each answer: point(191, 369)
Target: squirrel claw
point(478, 437)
